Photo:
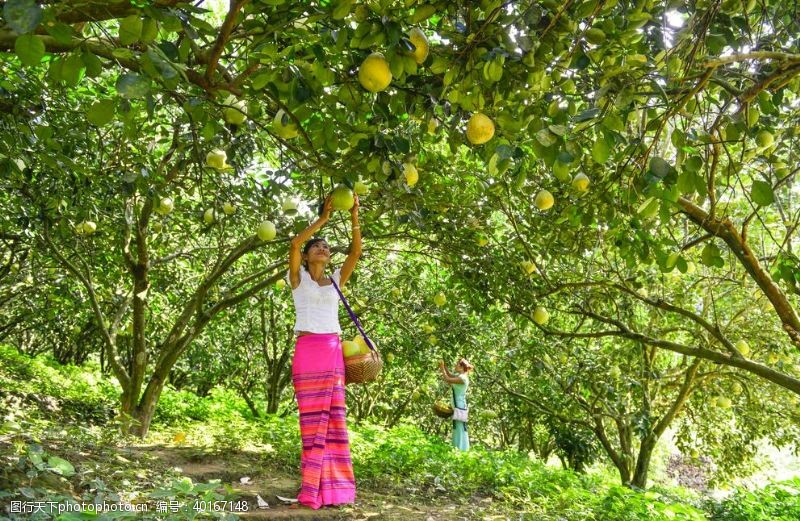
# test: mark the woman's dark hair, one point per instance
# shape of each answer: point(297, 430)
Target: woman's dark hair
point(467, 366)
point(309, 244)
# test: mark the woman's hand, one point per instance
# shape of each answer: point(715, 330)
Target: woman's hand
point(327, 208)
point(354, 209)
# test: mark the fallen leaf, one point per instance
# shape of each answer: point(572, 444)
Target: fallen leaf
point(261, 502)
point(286, 499)
point(245, 480)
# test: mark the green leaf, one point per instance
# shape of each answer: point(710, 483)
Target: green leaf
point(130, 85)
point(30, 49)
point(711, 256)
point(101, 112)
point(686, 183)
point(61, 466)
point(23, 16)
point(62, 32)
point(130, 29)
point(72, 69)
point(93, 64)
point(601, 151)
point(545, 137)
point(762, 193)
point(613, 122)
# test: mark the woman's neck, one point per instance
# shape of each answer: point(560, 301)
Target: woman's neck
point(316, 270)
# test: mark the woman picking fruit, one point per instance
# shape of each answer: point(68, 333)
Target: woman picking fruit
point(318, 370)
point(459, 381)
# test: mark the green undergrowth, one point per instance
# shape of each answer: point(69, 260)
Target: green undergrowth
point(59, 443)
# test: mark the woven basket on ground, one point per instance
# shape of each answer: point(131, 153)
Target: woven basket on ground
point(442, 410)
point(361, 369)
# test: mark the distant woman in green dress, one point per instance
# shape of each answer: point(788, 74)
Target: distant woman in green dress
point(459, 381)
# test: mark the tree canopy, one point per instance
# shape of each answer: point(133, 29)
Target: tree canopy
point(605, 191)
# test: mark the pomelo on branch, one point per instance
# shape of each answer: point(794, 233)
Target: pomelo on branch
point(420, 41)
point(580, 182)
point(411, 174)
point(86, 228)
point(360, 188)
point(266, 231)
point(229, 208)
point(342, 198)
point(480, 128)
point(723, 402)
point(527, 266)
point(216, 159)
point(540, 315)
point(284, 126)
point(165, 206)
point(440, 299)
point(236, 112)
point(544, 200)
point(764, 139)
point(374, 73)
point(289, 205)
point(209, 216)
point(743, 347)
point(280, 284)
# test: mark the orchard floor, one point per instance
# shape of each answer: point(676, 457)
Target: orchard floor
point(269, 483)
point(126, 468)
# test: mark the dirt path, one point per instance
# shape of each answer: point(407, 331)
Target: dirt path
point(269, 483)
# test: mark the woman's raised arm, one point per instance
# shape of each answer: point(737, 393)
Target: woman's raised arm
point(355, 246)
point(295, 253)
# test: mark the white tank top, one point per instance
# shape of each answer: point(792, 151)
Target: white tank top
point(317, 307)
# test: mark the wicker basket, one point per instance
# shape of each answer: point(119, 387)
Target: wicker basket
point(442, 410)
point(360, 369)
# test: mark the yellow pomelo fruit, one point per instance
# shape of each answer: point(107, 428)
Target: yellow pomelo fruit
point(216, 159)
point(374, 73)
point(266, 231)
point(544, 200)
point(440, 299)
point(287, 130)
point(360, 188)
point(420, 41)
point(342, 198)
point(165, 206)
point(480, 129)
point(764, 139)
point(209, 216)
point(580, 182)
point(350, 349)
point(540, 315)
point(411, 173)
point(743, 347)
point(236, 112)
point(363, 348)
point(527, 266)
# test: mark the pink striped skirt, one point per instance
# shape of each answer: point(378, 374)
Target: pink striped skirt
point(325, 465)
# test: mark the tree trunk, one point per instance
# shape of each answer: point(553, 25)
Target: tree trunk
point(639, 479)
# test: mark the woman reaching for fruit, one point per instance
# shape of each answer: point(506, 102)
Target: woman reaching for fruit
point(318, 371)
point(459, 381)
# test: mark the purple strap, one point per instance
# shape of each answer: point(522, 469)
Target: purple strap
point(353, 316)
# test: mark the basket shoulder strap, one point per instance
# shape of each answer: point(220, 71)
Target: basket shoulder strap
point(352, 314)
